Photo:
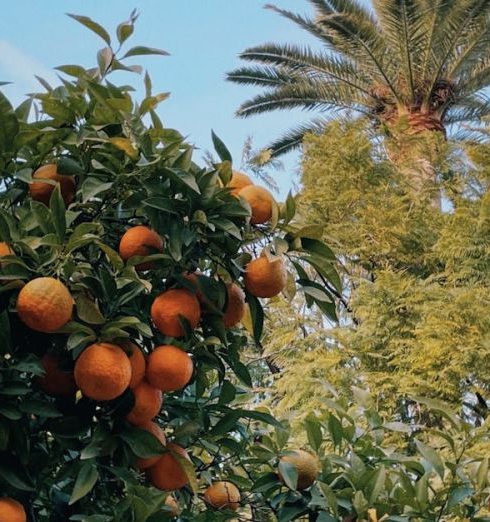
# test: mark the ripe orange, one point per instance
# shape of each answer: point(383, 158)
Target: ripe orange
point(260, 201)
point(171, 503)
point(56, 381)
point(140, 241)
point(169, 368)
point(167, 473)
point(223, 495)
point(307, 465)
point(238, 181)
point(41, 191)
point(138, 363)
point(169, 306)
point(157, 432)
point(5, 249)
point(264, 278)
point(147, 403)
point(103, 371)
point(235, 306)
point(45, 304)
point(11, 510)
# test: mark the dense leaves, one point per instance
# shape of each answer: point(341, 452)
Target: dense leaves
point(68, 457)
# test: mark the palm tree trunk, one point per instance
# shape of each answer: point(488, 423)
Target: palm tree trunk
point(416, 146)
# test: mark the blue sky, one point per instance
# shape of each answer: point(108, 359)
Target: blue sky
point(204, 38)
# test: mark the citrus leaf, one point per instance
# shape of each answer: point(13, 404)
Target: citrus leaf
point(140, 50)
point(86, 480)
point(93, 26)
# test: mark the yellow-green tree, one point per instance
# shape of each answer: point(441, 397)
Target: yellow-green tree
point(413, 319)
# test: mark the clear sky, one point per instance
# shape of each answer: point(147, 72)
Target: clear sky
point(204, 38)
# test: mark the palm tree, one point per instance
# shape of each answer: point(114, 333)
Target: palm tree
point(422, 63)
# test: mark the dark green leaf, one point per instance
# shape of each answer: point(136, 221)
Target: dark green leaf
point(142, 50)
point(289, 474)
point(315, 246)
point(142, 443)
point(14, 474)
point(86, 480)
point(220, 148)
point(124, 31)
point(314, 432)
point(9, 126)
point(93, 26)
point(40, 408)
point(58, 212)
point(257, 313)
point(88, 310)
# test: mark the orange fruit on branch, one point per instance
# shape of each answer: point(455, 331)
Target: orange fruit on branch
point(307, 466)
point(140, 241)
point(235, 306)
point(169, 368)
point(103, 371)
point(223, 495)
point(261, 203)
point(5, 249)
point(264, 277)
point(238, 181)
point(138, 363)
point(45, 304)
point(11, 510)
point(157, 432)
point(168, 474)
point(56, 381)
point(147, 403)
point(41, 191)
point(170, 306)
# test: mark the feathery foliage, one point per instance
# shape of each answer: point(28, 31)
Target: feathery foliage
point(415, 315)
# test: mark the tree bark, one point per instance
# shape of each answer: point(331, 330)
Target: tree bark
point(416, 145)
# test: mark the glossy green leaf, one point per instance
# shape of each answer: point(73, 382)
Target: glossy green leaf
point(86, 480)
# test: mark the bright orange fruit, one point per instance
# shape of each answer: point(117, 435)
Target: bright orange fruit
point(169, 368)
point(169, 306)
point(103, 371)
point(45, 304)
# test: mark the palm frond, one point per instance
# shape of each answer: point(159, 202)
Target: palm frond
point(305, 61)
point(361, 47)
point(261, 76)
point(363, 17)
point(470, 56)
point(308, 95)
point(402, 25)
point(471, 108)
point(458, 23)
point(293, 139)
point(305, 23)
point(476, 79)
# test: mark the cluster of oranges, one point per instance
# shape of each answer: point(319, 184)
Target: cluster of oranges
point(104, 371)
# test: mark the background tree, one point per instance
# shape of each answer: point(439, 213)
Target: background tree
point(412, 320)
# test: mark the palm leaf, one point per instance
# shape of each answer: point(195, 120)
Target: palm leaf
point(293, 139)
point(303, 60)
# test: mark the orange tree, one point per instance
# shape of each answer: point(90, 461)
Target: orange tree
point(126, 272)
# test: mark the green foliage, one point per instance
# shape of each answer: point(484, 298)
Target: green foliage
point(72, 458)
point(414, 317)
point(375, 469)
